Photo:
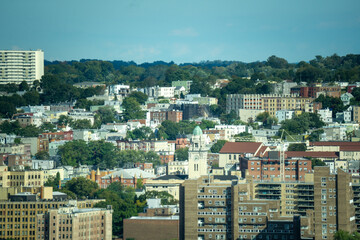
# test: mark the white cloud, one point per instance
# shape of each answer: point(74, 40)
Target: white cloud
point(185, 32)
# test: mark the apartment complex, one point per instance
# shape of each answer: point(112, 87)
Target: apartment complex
point(316, 91)
point(18, 66)
point(75, 223)
point(217, 207)
point(19, 219)
point(31, 178)
point(267, 102)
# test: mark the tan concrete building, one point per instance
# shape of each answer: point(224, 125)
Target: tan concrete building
point(333, 203)
point(151, 228)
point(217, 207)
point(220, 208)
point(167, 183)
point(32, 178)
point(75, 223)
point(267, 102)
point(18, 219)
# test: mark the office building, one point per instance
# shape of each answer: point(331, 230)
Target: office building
point(75, 223)
point(18, 66)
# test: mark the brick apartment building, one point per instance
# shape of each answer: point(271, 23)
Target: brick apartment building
point(75, 223)
point(315, 91)
point(219, 208)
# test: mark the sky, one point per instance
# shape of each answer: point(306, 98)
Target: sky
point(181, 30)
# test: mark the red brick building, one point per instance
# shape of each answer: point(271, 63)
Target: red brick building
point(160, 116)
point(269, 168)
point(313, 91)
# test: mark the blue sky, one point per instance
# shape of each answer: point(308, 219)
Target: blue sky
point(181, 30)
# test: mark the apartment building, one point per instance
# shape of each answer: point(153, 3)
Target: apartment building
point(18, 66)
point(333, 203)
point(356, 114)
point(270, 168)
point(316, 91)
point(18, 219)
point(160, 116)
point(151, 145)
point(267, 102)
point(75, 223)
point(217, 207)
point(33, 178)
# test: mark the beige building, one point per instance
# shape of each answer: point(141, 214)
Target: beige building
point(356, 114)
point(18, 66)
point(75, 223)
point(177, 168)
point(333, 203)
point(266, 102)
point(32, 178)
point(219, 207)
point(19, 218)
point(167, 183)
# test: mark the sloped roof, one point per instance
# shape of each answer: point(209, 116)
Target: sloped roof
point(240, 147)
point(344, 146)
point(261, 151)
point(130, 173)
point(312, 154)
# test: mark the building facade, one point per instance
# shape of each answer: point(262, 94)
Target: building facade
point(18, 66)
point(75, 223)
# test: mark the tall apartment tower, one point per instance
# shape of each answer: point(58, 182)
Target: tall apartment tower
point(333, 203)
point(18, 66)
point(198, 155)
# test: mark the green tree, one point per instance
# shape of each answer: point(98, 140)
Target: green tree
point(29, 131)
point(64, 120)
point(48, 127)
point(182, 154)
point(132, 109)
point(344, 235)
point(7, 109)
point(32, 98)
point(217, 146)
point(82, 187)
point(74, 153)
point(317, 162)
point(23, 86)
point(122, 200)
point(139, 96)
point(266, 119)
point(53, 181)
point(166, 198)
point(297, 147)
point(143, 133)
point(81, 124)
point(42, 155)
point(107, 114)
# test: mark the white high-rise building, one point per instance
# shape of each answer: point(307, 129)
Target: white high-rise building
point(17, 66)
point(198, 155)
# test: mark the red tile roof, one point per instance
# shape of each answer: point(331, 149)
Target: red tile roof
point(261, 151)
point(241, 147)
point(344, 146)
point(312, 154)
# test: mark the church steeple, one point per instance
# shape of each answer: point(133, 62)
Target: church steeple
point(198, 154)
